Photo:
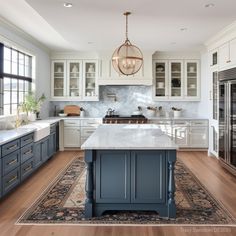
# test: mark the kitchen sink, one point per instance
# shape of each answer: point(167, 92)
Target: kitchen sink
point(42, 130)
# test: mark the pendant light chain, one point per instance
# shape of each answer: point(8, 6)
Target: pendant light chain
point(126, 33)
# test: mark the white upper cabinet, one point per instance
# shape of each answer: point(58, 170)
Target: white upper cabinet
point(74, 80)
point(90, 80)
point(227, 55)
point(176, 80)
point(58, 79)
point(108, 75)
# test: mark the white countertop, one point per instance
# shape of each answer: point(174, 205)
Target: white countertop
point(129, 136)
point(175, 118)
point(9, 135)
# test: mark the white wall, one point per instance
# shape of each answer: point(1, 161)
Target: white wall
point(11, 35)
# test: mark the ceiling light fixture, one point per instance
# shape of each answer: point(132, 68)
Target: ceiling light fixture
point(183, 29)
point(67, 4)
point(209, 5)
point(127, 58)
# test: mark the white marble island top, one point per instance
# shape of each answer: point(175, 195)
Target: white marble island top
point(129, 136)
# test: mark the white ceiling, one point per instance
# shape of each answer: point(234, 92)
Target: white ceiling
point(153, 25)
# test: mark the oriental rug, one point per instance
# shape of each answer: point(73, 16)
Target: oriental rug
point(63, 203)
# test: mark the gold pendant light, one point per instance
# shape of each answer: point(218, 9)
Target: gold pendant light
point(127, 59)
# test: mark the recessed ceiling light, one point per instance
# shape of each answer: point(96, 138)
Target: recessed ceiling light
point(183, 29)
point(90, 42)
point(209, 5)
point(173, 43)
point(67, 4)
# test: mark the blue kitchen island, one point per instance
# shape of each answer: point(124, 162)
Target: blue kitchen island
point(130, 167)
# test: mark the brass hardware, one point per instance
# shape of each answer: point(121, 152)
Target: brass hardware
point(26, 153)
point(12, 179)
point(12, 147)
point(28, 139)
point(12, 162)
point(28, 168)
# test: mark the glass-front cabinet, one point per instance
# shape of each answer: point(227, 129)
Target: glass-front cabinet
point(192, 79)
point(59, 76)
point(176, 79)
point(74, 80)
point(161, 79)
point(90, 80)
point(74, 75)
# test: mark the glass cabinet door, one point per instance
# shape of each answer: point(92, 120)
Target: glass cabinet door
point(58, 70)
point(176, 79)
point(160, 75)
point(90, 80)
point(74, 78)
point(192, 80)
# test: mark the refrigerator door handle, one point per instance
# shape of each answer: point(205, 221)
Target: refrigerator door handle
point(229, 123)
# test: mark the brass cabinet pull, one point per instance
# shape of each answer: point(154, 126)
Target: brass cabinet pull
point(28, 139)
point(12, 147)
point(12, 179)
point(29, 152)
point(28, 168)
point(12, 162)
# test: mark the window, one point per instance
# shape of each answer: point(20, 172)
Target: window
point(16, 78)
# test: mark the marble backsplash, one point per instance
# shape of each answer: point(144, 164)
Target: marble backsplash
point(128, 98)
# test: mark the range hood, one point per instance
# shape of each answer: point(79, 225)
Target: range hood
point(108, 76)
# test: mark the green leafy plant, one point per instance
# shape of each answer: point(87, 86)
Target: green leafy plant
point(32, 104)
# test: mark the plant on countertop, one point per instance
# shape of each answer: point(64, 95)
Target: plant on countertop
point(32, 104)
point(154, 108)
point(176, 109)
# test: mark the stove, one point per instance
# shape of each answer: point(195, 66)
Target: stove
point(133, 119)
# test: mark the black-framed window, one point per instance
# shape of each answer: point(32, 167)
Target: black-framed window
point(16, 78)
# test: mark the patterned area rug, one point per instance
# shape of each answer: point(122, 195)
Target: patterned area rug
point(63, 203)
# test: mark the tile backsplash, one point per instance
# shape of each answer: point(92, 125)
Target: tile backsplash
point(128, 98)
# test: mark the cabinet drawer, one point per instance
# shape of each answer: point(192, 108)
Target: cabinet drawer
point(69, 123)
point(199, 123)
point(91, 122)
point(11, 180)
point(160, 122)
point(27, 168)
point(10, 162)
point(86, 132)
point(181, 122)
point(10, 147)
point(27, 139)
point(27, 152)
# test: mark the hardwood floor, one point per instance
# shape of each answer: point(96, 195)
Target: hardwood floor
point(218, 181)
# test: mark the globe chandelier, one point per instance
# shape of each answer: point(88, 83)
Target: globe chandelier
point(127, 58)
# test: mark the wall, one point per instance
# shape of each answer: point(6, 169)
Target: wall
point(11, 35)
point(128, 99)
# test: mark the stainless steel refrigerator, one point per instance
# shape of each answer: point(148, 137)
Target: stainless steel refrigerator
point(227, 119)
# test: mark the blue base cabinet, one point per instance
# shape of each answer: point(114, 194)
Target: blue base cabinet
point(130, 180)
point(21, 157)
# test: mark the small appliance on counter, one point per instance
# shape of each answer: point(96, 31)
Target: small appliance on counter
point(72, 110)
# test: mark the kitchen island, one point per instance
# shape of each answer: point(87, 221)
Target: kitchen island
point(130, 167)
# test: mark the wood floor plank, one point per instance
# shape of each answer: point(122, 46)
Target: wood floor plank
point(217, 180)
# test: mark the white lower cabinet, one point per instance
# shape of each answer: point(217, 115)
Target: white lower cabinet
point(181, 135)
point(71, 137)
point(185, 133)
point(77, 131)
point(72, 133)
point(198, 137)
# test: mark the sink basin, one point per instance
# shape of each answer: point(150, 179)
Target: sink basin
point(42, 130)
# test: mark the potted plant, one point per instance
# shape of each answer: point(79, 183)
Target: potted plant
point(32, 105)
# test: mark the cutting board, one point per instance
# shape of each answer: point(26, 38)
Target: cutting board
point(72, 110)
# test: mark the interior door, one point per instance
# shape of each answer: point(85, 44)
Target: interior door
point(222, 120)
point(232, 123)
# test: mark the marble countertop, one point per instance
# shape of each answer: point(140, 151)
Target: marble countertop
point(129, 136)
point(175, 118)
point(9, 135)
